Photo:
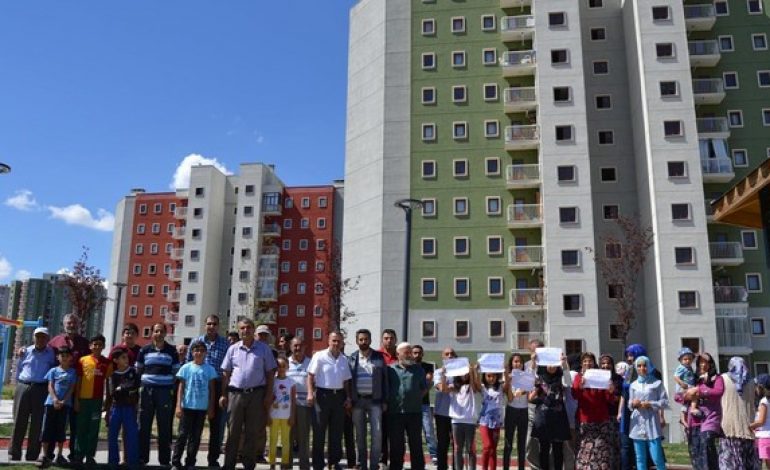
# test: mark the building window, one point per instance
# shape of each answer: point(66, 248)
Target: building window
point(428, 246)
point(322, 202)
point(754, 6)
point(429, 95)
point(672, 128)
point(559, 56)
point(491, 128)
point(460, 168)
point(721, 8)
point(557, 19)
point(428, 169)
point(613, 250)
point(286, 245)
point(766, 117)
point(133, 311)
point(195, 255)
point(603, 102)
point(156, 228)
point(759, 41)
point(735, 118)
point(135, 289)
point(615, 332)
point(598, 34)
point(459, 94)
point(243, 276)
point(142, 209)
point(458, 24)
point(489, 56)
point(458, 59)
point(302, 266)
point(568, 215)
point(571, 303)
point(570, 258)
point(429, 132)
point(146, 331)
point(688, 299)
point(428, 287)
point(428, 27)
point(609, 174)
point(285, 266)
point(429, 208)
point(320, 223)
point(496, 329)
point(684, 255)
point(462, 329)
point(320, 244)
point(754, 282)
point(490, 92)
point(595, 4)
point(677, 169)
point(318, 311)
point(611, 211)
point(614, 291)
point(170, 228)
point(749, 239)
point(601, 67)
point(740, 158)
point(664, 50)
point(494, 245)
point(199, 192)
point(304, 222)
point(460, 206)
point(488, 22)
point(763, 78)
point(460, 130)
point(563, 133)
point(493, 205)
point(761, 368)
point(303, 244)
point(680, 211)
point(758, 326)
point(562, 94)
point(137, 269)
point(305, 202)
point(190, 298)
point(566, 173)
point(462, 287)
point(140, 229)
point(317, 334)
point(492, 166)
point(139, 249)
point(288, 203)
point(284, 288)
point(661, 13)
point(669, 88)
point(300, 311)
point(495, 286)
point(192, 276)
point(157, 208)
point(301, 288)
point(606, 137)
point(730, 80)
point(288, 223)
point(726, 44)
point(428, 329)
point(428, 61)
point(461, 246)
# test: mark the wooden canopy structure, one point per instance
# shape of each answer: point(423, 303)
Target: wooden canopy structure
point(747, 204)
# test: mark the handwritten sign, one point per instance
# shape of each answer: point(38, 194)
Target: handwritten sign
point(493, 363)
point(457, 367)
point(522, 380)
point(597, 378)
point(548, 356)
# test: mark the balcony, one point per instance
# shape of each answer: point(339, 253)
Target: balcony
point(523, 176)
point(267, 317)
point(175, 275)
point(522, 137)
point(704, 53)
point(173, 296)
point(180, 212)
point(515, 3)
point(517, 28)
point(527, 300)
point(172, 317)
point(726, 253)
point(270, 251)
point(717, 170)
point(525, 257)
point(179, 233)
point(708, 90)
point(730, 295)
point(518, 63)
point(268, 273)
point(271, 230)
point(699, 17)
point(519, 99)
point(267, 292)
point(271, 203)
point(709, 211)
point(177, 254)
point(733, 331)
point(713, 128)
point(525, 215)
point(520, 340)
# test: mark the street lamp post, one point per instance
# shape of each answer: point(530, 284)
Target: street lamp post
point(407, 205)
point(119, 286)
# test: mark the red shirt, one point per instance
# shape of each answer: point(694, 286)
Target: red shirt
point(80, 347)
point(390, 359)
point(593, 404)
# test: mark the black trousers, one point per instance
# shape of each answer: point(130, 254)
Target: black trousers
point(411, 425)
point(190, 429)
point(443, 440)
point(216, 426)
point(350, 441)
point(545, 453)
point(330, 417)
point(516, 422)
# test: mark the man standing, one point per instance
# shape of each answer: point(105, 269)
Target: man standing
point(216, 348)
point(300, 432)
point(157, 364)
point(443, 421)
point(427, 413)
point(369, 389)
point(284, 344)
point(328, 384)
point(31, 391)
point(406, 383)
point(130, 333)
point(388, 350)
point(263, 335)
point(247, 372)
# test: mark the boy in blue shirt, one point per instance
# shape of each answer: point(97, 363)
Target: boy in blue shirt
point(195, 402)
point(61, 385)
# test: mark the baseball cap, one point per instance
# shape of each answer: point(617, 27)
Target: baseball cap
point(43, 330)
point(683, 352)
point(263, 329)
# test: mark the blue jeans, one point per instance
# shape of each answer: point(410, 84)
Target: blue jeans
point(123, 417)
point(427, 427)
point(627, 454)
point(655, 448)
point(364, 408)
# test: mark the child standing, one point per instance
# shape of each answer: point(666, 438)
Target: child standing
point(684, 377)
point(61, 386)
point(195, 401)
point(92, 372)
point(282, 414)
point(491, 418)
point(516, 415)
point(462, 410)
point(122, 398)
point(761, 425)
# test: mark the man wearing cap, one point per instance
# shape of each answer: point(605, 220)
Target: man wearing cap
point(31, 391)
point(247, 372)
point(263, 335)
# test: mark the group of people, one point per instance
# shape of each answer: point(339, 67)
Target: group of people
point(377, 400)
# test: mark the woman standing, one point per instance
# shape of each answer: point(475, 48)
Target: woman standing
point(646, 397)
point(516, 415)
point(598, 438)
point(736, 447)
point(702, 431)
point(551, 426)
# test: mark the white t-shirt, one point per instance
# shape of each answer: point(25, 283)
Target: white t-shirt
point(281, 408)
point(764, 430)
point(462, 407)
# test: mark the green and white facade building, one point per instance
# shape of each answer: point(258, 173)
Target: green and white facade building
point(525, 127)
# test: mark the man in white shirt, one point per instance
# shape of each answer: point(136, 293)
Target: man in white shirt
point(328, 384)
point(300, 432)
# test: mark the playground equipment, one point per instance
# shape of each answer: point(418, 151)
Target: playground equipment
point(5, 336)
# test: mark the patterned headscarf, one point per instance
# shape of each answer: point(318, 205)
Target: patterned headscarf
point(623, 370)
point(636, 350)
point(649, 378)
point(738, 372)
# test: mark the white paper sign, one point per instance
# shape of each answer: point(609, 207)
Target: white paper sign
point(457, 367)
point(522, 380)
point(597, 378)
point(548, 356)
point(493, 363)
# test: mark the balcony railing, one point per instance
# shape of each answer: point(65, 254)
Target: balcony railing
point(708, 90)
point(180, 212)
point(177, 254)
point(522, 137)
point(516, 28)
point(175, 275)
point(525, 257)
point(717, 170)
point(515, 3)
point(525, 215)
point(179, 233)
point(733, 330)
point(519, 99)
point(270, 251)
point(726, 253)
point(730, 294)
point(704, 53)
point(518, 63)
point(700, 17)
point(271, 230)
point(527, 299)
point(520, 340)
point(268, 273)
point(523, 175)
point(173, 296)
point(713, 127)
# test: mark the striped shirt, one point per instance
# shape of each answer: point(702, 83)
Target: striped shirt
point(364, 375)
point(298, 374)
point(215, 352)
point(157, 366)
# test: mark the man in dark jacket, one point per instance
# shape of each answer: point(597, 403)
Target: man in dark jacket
point(406, 389)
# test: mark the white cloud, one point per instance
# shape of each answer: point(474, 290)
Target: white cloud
point(63, 271)
point(75, 214)
point(23, 275)
point(5, 268)
point(22, 200)
point(182, 173)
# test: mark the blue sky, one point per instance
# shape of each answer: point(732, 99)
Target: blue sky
point(100, 97)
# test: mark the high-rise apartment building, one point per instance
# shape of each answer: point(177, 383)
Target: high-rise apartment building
point(233, 245)
point(526, 128)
